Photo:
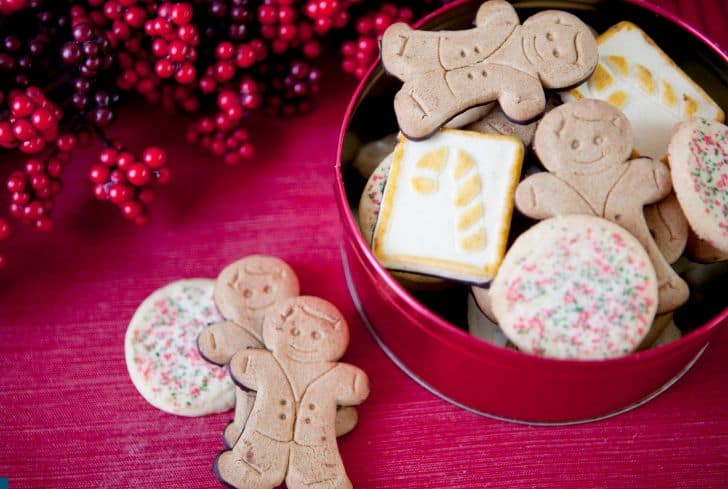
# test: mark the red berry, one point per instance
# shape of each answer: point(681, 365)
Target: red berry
point(67, 142)
point(178, 51)
point(124, 160)
point(138, 174)
point(4, 229)
point(155, 157)
point(267, 14)
point(120, 193)
point(108, 156)
point(245, 56)
point(164, 68)
point(185, 74)
point(100, 191)
point(23, 130)
point(16, 182)
point(98, 173)
point(21, 106)
point(224, 50)
point(131, 209)
point(6, 133)
point(224, 71)
point(44, 224)
point(181, 13)
point(146, 196)
point(42, 119)
point(21, 198)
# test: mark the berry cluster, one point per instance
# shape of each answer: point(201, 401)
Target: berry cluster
point(174, 42)
point(362, 52)
point(289, 86)
point(33, 189)
point(328, 14)
point(126, 182)
point(32, 122)
point(65, 65)
point(222, 137)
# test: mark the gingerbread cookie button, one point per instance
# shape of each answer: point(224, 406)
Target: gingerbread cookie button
point(576, 287)
point(698, 154)
point(162, 357)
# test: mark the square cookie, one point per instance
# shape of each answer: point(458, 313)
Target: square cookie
point(447, 206)
point(636, 76)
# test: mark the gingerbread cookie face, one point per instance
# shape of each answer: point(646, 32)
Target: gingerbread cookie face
point(698, 155)
point(575, 287)
point(583, 138)
point(447, 205)
point(560, 46)
point(246, 289)
point(447, 72)
point(306, 329)
point(636, 76)
point(161, 356)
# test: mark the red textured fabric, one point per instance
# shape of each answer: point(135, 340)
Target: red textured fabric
point(70, 417)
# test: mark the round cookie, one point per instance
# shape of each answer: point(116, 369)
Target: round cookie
point(161, 352)
point(575, 287)
point(369, 203)
point(698, 154)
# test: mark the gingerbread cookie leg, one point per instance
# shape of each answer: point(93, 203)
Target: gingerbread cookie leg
point(256, 462)
point(316, 467)
point(668, 226)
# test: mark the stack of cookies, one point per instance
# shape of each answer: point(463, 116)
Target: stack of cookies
point(249, 340)
point(629, 173)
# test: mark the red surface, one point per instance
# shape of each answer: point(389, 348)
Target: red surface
point(70, 417)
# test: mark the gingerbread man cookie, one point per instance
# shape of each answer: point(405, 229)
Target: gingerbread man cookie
point(244, 292)
point(299, 383)
point(447, 72)
point(585, 145)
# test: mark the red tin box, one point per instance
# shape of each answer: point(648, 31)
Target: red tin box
point(488, 379)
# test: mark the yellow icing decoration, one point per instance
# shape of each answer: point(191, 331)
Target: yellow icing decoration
point(475, 241)
point(468, 191)
point(434, 160)
point(601, 79)
point(463, 164)
point(618, 99)
point(691, 106)
point(424, 185)
point(618, 63)
point(644, 78)
point(668, 94)
point(470, 217)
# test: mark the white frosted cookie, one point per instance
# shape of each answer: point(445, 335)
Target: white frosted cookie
point(698, 156)
point(447, 205)
point(481, 326)
point(369, 204)
point(575, 287)
point(636, 76)
point(161, 351)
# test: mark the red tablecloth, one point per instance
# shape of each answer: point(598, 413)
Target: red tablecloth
point(70, 417)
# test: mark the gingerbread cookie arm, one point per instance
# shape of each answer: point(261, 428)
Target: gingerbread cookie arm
point(544, 195)
point(647, 181)
point(248, 367)
point(218, 342)
point(349, 384)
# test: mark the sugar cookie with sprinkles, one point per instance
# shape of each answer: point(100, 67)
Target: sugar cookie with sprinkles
point(576, 287)
point(161, 351)
point(698, 155)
